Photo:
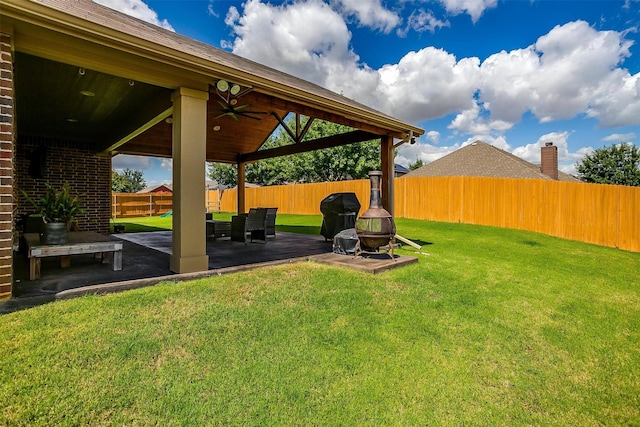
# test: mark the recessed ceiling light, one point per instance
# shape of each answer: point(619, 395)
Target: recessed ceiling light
point(216, 128)
point(87, 93)
point(168, 120)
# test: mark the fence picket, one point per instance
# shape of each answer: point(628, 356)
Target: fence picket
point(607, 215)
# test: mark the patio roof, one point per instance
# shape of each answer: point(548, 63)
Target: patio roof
point(88, 73)
point(115, 84)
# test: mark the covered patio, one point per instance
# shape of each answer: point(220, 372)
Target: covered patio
point(82, 83)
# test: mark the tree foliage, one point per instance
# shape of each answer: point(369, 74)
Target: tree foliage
point(127, 181)
point(332, 164)
point(617, 164)
point(417, 165)
point(224, 174)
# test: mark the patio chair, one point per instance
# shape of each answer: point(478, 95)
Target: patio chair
point(270, 221)
point(251, 224)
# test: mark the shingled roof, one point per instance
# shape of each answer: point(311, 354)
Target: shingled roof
point(481, 159)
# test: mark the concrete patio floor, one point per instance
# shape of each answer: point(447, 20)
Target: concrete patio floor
point(146, 262)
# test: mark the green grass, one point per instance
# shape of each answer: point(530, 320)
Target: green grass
point(492, 327)
point(305, 224)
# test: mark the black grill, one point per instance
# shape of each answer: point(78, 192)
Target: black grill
point(339, 211)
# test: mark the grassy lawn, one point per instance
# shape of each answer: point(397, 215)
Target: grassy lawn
point(492, 327)
point(306, 224)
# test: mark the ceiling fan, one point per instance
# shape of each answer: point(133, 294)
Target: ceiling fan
point(229, 94)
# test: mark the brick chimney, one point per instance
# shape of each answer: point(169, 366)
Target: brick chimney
point(549, 160)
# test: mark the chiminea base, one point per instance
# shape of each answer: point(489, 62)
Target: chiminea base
point(372, 251)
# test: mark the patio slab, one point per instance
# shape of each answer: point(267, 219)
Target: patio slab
point(146, 258)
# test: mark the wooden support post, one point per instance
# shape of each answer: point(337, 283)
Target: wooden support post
point(189, 133)
point(388, 169)
point(241, 188)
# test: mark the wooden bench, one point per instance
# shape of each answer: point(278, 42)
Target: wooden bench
point(79, 242)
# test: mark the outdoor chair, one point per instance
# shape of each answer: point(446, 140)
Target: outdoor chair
point(251, 224)
point(270, 221)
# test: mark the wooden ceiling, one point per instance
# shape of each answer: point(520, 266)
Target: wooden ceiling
point(114, 115)
point(63, 101)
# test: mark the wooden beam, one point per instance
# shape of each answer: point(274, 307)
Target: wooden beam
point(305, 110)
point(316, 144)
point(241, 188)
point(113, 148)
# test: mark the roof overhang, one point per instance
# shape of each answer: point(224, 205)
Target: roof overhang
point(72, 35)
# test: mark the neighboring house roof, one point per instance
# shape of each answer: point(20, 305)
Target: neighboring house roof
point(400, 170)
point(481, 159)
point(156, 188)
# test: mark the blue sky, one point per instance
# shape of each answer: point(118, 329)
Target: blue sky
point(512, 73)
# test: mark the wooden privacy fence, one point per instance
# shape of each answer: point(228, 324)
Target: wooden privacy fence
point(607, 215)
point(135, 204)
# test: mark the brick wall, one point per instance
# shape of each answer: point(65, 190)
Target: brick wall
point(88, 175)
point(7, 139)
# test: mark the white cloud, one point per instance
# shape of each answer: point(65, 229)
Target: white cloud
point(370, 13)
point(620, 137)
point(421, 21)
point(138, 9)
point(408, 154)
point(567, 72)
point(211, 10)
point(307, 39)
point(427, 84)
point(573, 70)
point(470, 121)
point(126, 161)
point(474, 8)
point(166, 164)
point(433, 136)
point(531, 152)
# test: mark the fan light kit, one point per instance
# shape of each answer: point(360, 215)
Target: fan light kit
point(228, 93)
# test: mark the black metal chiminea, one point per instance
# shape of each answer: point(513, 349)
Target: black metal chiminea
point(375, 227)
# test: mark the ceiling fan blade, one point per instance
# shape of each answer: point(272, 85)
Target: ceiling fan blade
point(241, 107)
point(224, 106)
point(246, 114)
point(221, 115)
point(235, 117)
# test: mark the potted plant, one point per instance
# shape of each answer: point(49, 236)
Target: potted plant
point(58, 209)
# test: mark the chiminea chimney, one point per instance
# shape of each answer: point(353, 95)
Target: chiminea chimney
point(549, 160)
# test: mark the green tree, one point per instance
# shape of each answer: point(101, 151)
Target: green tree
point(617, 164)
point(224, 173)
point(418, 164)
point(332, 164)
point(127, 181)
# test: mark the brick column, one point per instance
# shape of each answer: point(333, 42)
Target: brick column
point(7, 139)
